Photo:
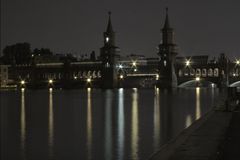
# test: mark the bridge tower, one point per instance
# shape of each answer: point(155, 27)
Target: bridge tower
point(108, 56)
point(223, 63)
point(167, 55)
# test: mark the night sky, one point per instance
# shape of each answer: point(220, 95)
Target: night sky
point(77, 26)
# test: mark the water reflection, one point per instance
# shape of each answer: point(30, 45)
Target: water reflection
point(108, 125)
point(198, 109)
point(121, 124)
point(89, 124)
point(23, 124)
point(134, 127)
point(156, 121)
point(50, 125)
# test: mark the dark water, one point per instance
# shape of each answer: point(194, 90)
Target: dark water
point(96, 124)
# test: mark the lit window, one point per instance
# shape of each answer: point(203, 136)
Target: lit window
point(107, 39)
point(165, 63)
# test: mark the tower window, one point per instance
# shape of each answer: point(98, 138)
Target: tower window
point(107, 65)
point(107, 39)
point(165, 63)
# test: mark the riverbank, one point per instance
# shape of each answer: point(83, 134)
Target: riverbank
point(204, 139)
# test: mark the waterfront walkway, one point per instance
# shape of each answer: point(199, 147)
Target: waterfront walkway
point(231, 147)
point(215, 136)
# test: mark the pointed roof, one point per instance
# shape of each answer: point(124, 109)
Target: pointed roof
point(109, 27)
point(166, 24)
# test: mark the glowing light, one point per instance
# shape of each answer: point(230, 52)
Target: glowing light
point(22, 82)
point(75, 77)
point(234, 74)
point(50, 81)
point(238, 62)
point(135, 70)
point(197, 78)
point(157, 76)
point(134, 63)
point(120, 66)
point(187, 62)
point(121, 76)
point(107, 39)
point(89, 80)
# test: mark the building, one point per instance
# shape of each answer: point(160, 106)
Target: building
point(3, 75)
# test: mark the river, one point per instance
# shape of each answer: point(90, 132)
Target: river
point(96, 124)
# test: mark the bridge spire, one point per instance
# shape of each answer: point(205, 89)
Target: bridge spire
point(109, 26)
point(166, 24)
point(167, 54)
point(108, 56)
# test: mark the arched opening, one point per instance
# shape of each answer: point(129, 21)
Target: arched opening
point(94, 74)
point(198, 72)
point(210, 72)
point(99, 74)
point(84, 74)
point(192, 72)
point(180, 73)
point(204, 72)
point(89, 74)
point(186, 71)
point(216, 72)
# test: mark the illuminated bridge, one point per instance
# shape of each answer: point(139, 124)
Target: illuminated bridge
point(111, 70)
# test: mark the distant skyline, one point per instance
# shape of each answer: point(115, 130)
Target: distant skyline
point(77, 26)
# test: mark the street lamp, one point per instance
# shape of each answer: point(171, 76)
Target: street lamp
point(50, 81)
point(197, 79)
point(89, 80)
point(134, 63)
point(238, 62)
point(187, 63)
point(22, 82)
point(121, 76)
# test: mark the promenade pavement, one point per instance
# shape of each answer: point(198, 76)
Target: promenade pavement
point(216, 136)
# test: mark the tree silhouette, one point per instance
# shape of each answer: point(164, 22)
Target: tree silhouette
point(19, 53)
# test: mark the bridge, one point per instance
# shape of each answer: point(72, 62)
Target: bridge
point(111, 70)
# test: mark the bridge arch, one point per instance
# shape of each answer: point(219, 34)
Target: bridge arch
point(235, 84)
point(194, 83)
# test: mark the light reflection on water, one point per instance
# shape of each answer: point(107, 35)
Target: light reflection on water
point(198, 101)
point(50, 125)
point(89, 124)
point(156, 132)
point(108, 125)
point(134, 128)
point(23, 124)
point(121, 119)
point(113, 124)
